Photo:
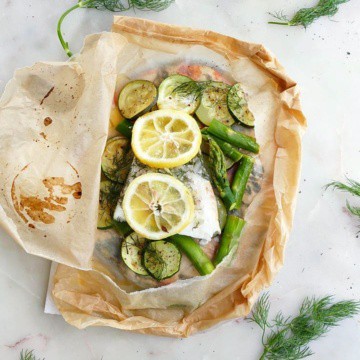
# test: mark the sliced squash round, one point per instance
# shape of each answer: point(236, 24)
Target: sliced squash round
point(137, 98)
point(213, 104)
point(161, 259)
point(131, 252)
point(116, 160)
point(170, 99)
point(238, 106)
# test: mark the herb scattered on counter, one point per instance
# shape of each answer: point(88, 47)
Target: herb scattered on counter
point(28, 355)
point(287, 338)
point(111, 5)
point(306, 16)
point(352, 187)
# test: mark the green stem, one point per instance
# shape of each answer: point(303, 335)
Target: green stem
point(229, 238)
point(194, 252)
point(65, 44)
point(230, 151)
point(241, 178)
point(279, 23)
point(233, 137)
point(125, 128)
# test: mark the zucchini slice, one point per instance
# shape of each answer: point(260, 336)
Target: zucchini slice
point(238, 106)
point(131, 253)
point(213, 104)
point(115, 161)
point(161, 259)
point(169, 99)
point(137, 98)
point(104, 211)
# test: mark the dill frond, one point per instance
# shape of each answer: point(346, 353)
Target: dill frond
point(306, 16)
point(352, 187)
point(193, 89)
point(28, 355)
point(288, 338)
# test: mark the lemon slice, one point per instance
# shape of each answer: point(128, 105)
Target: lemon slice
point(165, 138)
point(157, 206)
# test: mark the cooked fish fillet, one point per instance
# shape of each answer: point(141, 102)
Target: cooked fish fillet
point(193, 174)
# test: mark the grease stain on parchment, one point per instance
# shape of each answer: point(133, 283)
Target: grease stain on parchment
point(39, 208)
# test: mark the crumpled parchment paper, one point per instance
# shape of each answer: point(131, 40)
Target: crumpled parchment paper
point(53, 128)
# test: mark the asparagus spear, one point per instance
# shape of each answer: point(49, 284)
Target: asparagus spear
point(229, 238)
point(219, 174)
point(241, 178)
point(125, 128)
point(194, 252)
point(233, 137)
point(230, 151)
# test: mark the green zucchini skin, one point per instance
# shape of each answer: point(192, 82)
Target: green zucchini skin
point(137, 98)
point(213, 104)
point(116, 160)
point(238, 106)
point(168, 99)
point(161, 259)
point(132, 248)
point(104, 210)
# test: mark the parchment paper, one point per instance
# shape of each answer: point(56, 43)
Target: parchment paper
point(102, 296)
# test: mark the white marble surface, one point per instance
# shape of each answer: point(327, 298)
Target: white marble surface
point(323, 253)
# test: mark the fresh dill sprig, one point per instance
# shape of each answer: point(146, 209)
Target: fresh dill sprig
point(110, 5)
point(28, 355)
point(307, 16)
point(193, 89)
point(352, 187)
point(288, 338)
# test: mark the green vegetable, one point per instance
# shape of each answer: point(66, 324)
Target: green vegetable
point(109, 195)
point(307, 16)
point(219, 174)
point(233, 137)
point(131, 252)
point(353, 187)
point(125, 128)
point(116, 159)
point(111, 5)
point(287, 337)
point(28, 355)
point(170, 98)
point(241, 178)
point(229, 151)
point(161, 259)
point(213, 104)
point(222, 212)
point(229, 238)
point(122, 228)
point(238, 106)
point(194, 253)
point(137, 98)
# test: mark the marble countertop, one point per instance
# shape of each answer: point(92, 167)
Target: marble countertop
point(323, 252)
